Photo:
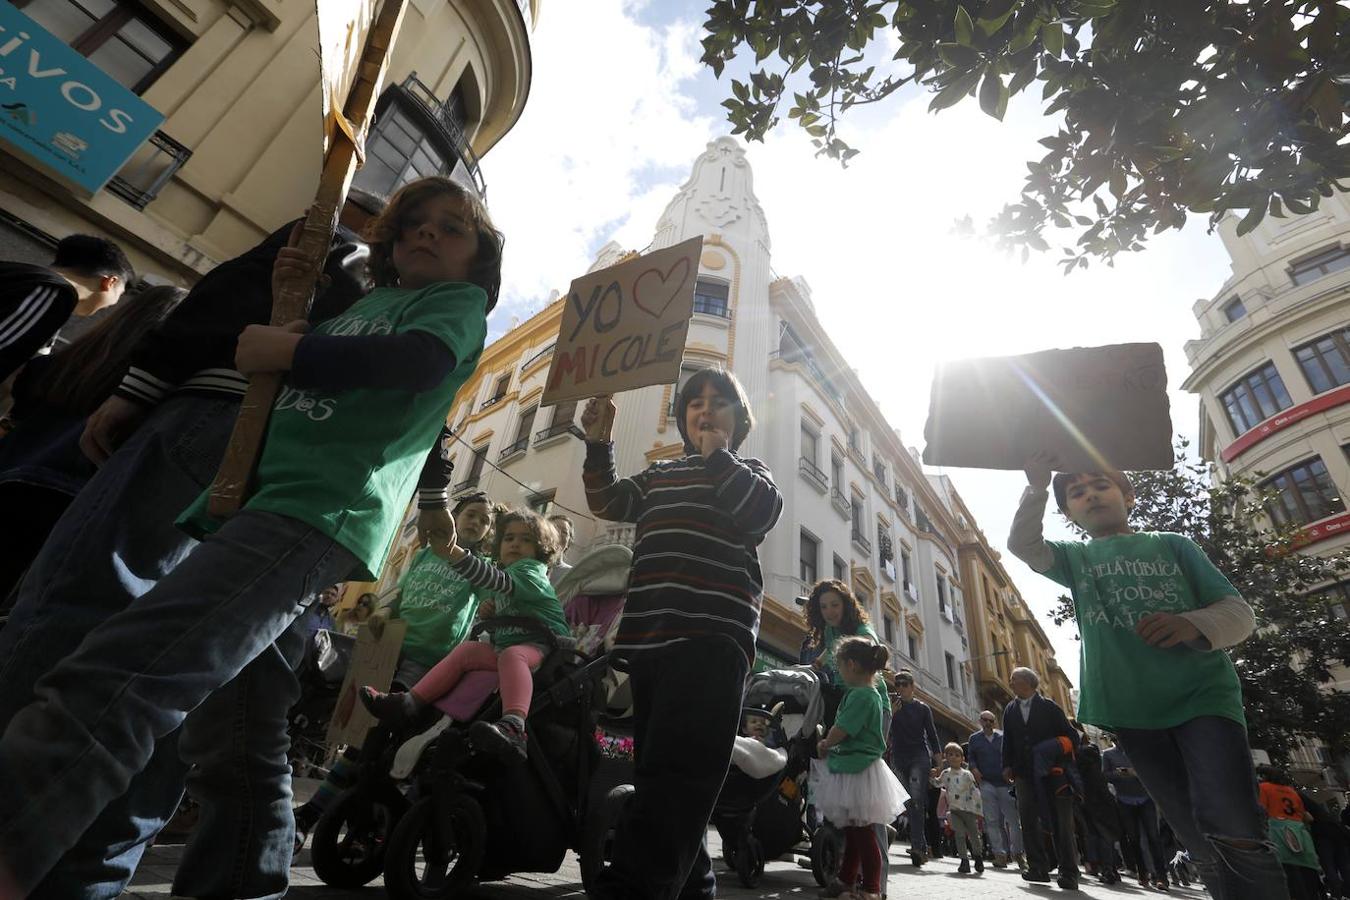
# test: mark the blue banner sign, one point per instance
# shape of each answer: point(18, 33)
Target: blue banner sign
point(61, 112)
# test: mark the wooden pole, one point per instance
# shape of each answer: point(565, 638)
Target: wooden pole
point(293, 299)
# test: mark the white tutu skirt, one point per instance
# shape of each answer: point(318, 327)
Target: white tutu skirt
point(870, 797)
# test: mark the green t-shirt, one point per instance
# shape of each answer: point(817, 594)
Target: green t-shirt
point(346, 462)
point(831, 637)
point(861, 714)
point(438, 605)
point(534, 597)
point(1115, 581)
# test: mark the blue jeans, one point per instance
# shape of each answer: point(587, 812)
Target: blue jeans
point(915, 774)
point(99, 714)
point(1140, 822)
point(114, 544)
point(1000, 813)
point(1200, 775)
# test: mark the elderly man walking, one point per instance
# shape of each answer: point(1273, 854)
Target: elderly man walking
point(1000, 807)
point(1027, 721)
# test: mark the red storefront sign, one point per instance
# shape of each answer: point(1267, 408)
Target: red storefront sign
point(1291, 416)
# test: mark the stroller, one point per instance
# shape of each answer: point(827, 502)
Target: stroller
point(434, 814)
point(759, 813)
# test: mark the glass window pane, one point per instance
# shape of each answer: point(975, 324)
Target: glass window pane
point(1277, 388)
point(405, 141)
point(67, 20)
point(121, 63)
point(144, 40)
point(375, 176)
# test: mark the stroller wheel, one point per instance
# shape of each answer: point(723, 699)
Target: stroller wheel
point(431, 860)
point(827, 853)
point(749, 861)
point(597, 842)
point(351, 836)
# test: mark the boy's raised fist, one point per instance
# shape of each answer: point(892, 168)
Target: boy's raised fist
point(1040, 468)
point(597, 419)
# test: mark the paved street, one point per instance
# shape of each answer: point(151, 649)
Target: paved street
point(936, 881)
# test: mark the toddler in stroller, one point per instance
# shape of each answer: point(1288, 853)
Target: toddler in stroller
point(760, 808)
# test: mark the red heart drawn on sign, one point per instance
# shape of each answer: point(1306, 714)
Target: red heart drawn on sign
point(654, 291)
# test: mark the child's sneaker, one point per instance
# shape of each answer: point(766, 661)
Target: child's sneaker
point(391, 709)
point(979, 866)
point(964, 868)
point(501, 738)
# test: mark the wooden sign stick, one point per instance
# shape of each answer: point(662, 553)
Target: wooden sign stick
point(292, 302)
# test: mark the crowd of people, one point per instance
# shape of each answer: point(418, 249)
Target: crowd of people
point(151, 648)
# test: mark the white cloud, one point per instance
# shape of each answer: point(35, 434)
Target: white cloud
point(608, 113)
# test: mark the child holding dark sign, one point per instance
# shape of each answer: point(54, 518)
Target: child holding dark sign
point(687, 636)
point(1154, 614)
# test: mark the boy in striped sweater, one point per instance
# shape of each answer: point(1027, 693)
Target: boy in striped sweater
point(687, 636)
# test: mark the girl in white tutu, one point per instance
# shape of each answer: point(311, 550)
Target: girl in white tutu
point(851, 786)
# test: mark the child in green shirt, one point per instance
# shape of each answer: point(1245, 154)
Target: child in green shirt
point(366, 395)
point(519, 586)
point(852, 787)
point(1154, 615)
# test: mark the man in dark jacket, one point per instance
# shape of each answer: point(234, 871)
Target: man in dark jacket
point(88, 274)
point(1027, 721)
point(914, 751)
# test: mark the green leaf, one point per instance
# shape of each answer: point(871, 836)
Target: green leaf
point(1251, 219)
point(958, 56)
point(994, 94)
point(1052, 37)
point(955, 92)
point(965, 28)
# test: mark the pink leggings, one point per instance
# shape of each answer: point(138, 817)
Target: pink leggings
point(513, 665)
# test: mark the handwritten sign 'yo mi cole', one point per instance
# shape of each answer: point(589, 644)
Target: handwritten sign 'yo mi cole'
point(624, 327)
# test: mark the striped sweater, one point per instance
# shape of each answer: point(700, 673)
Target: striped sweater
point(695, 565)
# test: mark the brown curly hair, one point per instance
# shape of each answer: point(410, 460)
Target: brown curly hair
point(386, 228)
point(855, 616)
point(545, 535)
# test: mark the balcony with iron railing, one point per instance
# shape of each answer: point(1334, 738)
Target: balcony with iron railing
point(553, 431)
point(516, 448)
point(813, 474)
point(861, 542)
point(441, 117)
point(149, 169)
point(492, 401)
point(841, 503)
point(467, 484)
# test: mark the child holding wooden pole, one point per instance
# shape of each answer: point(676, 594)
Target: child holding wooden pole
point(344, 449)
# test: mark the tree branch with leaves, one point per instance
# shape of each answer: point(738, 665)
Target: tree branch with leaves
point(1165, 106)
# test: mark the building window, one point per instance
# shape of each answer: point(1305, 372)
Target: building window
point(542, 502)
point(1326, 360)
point(906, 575)
point(879, 470)
point(1234, 310)
point(913, 644)
point(523, 429)
point(836, 472)
point(1333, 259)
point(560, 422)
point(1302, 493)
point(942, 592)
point(710, 298)
point(888, 629)
point(810, 553)
point(840, 569)
point(901, 498)
point(123, 39)
point(1255, 398)
point(810, 445)
point(475, 470)
point(951, 670)
point(499, 391)
point(854, 441)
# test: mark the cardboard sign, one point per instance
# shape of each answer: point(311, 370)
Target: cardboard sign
point(343, 27)
point(374, 662)
point(624, 327)
point(1091, 408)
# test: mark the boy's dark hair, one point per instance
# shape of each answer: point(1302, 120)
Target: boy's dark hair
point(93, 257)
point(82, 375)
point(470, 499)
point(863, 652)
point(726, 385)
point(387, 227)
point(544, 534)
point(854, 613)
point(904, 675)
point(1062, 482)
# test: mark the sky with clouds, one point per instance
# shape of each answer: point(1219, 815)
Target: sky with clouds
point(620, 107)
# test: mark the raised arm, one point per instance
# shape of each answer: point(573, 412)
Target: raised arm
point(745, 489)
point(482, 574)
